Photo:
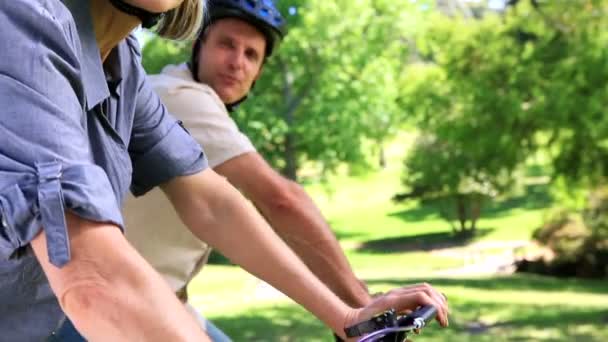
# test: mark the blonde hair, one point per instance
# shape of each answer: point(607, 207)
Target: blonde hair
point(182, 22)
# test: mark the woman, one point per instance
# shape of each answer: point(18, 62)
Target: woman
point(79, 125)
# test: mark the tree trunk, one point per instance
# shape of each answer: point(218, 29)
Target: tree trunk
point(289, 148)
point(292, 100)
point(291, 165)
point(444, 211)
point(381, 157)
point(461, 211)
point(475, 211)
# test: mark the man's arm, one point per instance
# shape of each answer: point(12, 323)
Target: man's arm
point(295, 217)
point(219, 215)
point(109, 292)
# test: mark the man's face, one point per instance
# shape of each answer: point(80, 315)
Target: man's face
point(230, 58)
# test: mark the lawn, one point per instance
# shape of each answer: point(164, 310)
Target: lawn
point(394, 244)
point(513, 308)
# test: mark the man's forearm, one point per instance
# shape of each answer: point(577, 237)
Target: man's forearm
point(218, 214)
point(110, 293)
point(300, 223)
point(294, 216)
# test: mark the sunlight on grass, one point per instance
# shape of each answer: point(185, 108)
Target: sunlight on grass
point(391, 245)
point(509, 308)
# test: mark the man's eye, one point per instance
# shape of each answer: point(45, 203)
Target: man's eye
point(252, 56)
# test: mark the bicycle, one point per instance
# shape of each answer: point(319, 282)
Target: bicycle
point(390, 327)
point(385, 327)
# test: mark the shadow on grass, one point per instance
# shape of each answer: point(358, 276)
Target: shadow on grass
point(477, 322)
point(273, 323)
point(535, 196)
point(416, 214)
point(342, 233)
point(470, 320)
point(515, 282)
point(420, 242)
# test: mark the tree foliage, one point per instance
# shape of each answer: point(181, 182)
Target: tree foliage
point(160, 52)
point(491, 92)
point(333, 83)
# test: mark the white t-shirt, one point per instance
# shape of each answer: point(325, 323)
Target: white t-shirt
point(152, 225)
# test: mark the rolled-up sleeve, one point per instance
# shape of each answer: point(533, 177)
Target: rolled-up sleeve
point(160, 147)
point(46, 166)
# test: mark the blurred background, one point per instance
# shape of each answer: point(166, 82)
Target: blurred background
point(462, 143)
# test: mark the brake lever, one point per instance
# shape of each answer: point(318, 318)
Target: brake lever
point(418, 319)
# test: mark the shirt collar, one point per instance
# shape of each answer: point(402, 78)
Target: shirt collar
point(113, 71)
point(95, 86)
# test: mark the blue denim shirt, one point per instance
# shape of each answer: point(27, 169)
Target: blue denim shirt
point(74, 135)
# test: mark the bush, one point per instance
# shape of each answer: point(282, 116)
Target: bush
point(576, 243)
point(564, 233)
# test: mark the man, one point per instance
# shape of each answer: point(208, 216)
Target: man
point(79, 124)
point(227, 59)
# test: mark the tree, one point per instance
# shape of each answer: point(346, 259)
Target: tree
point(160, 52)
point(501, 88)
point(445, 176)
point(332, 85)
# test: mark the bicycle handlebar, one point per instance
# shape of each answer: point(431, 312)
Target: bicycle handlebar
point(416, 320)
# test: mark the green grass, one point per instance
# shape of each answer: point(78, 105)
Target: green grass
point(390, 245)
point(512, 308)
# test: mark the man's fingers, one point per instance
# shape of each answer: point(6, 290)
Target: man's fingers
point(409, 298)
point(419, 295)
point(442, 307)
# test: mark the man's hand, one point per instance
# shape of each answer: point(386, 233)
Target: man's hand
point(402, 299)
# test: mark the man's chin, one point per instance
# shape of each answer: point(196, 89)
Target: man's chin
point(229, 97)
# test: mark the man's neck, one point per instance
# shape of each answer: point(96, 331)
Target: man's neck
point(111, 25)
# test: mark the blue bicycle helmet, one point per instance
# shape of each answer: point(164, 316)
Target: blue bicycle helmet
point(262, 14)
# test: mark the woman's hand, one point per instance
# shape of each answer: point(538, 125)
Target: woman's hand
point(402, 299)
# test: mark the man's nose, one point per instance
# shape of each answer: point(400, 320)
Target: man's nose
point(237, 58)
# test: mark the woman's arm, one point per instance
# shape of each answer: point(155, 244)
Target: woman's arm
point(110, 293)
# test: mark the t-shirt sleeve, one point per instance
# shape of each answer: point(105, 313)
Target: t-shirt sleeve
point(208, 122)
point(160, 147)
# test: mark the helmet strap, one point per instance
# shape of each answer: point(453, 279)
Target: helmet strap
point(148, 19)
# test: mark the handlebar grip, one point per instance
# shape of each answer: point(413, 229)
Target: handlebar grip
point(419, 318)
point(427, 313)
